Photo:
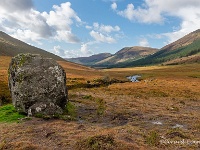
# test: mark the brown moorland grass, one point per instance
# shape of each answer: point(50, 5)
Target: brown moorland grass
point(4, 91)
point(164, 105)
point(76, 74)
point(78, 71)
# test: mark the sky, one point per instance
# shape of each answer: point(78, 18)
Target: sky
point(79, 28)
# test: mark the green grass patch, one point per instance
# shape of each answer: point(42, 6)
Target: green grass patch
point(9, 114)
point(71, 109)
point(70, 112)
point(152, 138)
point(101, 106)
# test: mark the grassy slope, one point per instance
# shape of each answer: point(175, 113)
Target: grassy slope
point(126, 55)
point(4, 91)
point(165, 55)
point(120, 116)
point(10, 46)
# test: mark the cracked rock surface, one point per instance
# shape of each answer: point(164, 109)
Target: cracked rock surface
point(35, 82)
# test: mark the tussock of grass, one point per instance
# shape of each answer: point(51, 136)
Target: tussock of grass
point(100, 106)
point(194, 76)
point(99, 142)
point(2, 144)
point(70, 112)
point(9, 114)
point(176, 133)
point(87, 97)
point(153, 138)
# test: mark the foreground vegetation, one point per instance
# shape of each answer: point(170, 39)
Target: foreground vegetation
point(163, 106)
point(9, 114)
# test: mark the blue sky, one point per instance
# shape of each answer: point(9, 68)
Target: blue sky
point(76, 28)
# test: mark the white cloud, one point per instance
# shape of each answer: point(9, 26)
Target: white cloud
point(57, 50)
point(190, 22)
point(84, 51)
point(61, 17)
point(65, 53)
point(102, 38)
point(88, 27)
point(105, 28)
point(66, 36)
point(109, 28)
point(96, 25)
point(157, 11)
point(150, 15)
point(26, 34)
point(16, 5)
point(112, 0)
point(144, 42)
point(20, 19)
point(103, 33)
point(114, 6)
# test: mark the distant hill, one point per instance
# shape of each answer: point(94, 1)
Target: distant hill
point(126, 54)
point(10, 46)
point(186, 48)
point(90, 60)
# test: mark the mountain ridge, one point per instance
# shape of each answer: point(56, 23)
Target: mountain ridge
point(89, 60)
point(183, 50)
point(184, 41)
point(127, 54)
point(186, 46)
point(10, 46)
point(123, 55)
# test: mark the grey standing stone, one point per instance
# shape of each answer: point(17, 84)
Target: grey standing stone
point(37, 85)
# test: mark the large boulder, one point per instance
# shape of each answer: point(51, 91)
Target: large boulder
point(37, 85)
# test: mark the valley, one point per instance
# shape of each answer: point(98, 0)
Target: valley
point(163, 106)
point(99, 75)
point(106, 110)
point(183, 51)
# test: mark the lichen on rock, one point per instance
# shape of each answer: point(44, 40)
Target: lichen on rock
point(34, 80)
point(45, 109)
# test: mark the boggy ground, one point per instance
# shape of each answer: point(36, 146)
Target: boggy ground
point(162, 111)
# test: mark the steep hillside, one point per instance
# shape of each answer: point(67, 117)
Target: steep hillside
point(185, 47)
point(91, 59)
point(127, 54)
point(184, 60)
point(10, 46)
point(186, 40)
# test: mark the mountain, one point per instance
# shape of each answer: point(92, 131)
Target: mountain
point(125, 55)
point(184, 50)
point(10, 46)
point(184, 41)
point(90, 60)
